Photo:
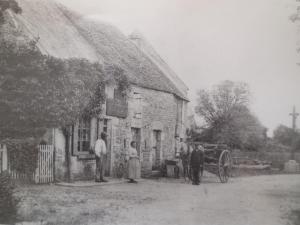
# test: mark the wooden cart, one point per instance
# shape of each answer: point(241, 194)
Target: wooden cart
point(217, 160)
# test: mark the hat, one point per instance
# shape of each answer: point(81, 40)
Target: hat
point(103, 135)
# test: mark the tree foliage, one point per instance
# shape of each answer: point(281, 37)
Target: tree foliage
point(116, 75)
point(284, 135)
point(228, 118)
point(296, 144)
point(287, 136)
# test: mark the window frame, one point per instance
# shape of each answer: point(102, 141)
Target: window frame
point(76, 133)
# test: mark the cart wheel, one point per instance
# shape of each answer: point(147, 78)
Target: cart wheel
point(224, 166)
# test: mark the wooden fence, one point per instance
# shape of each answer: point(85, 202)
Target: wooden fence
point(44, 172)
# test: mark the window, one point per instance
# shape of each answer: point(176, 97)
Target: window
point(137, 105)
point(137, 95)
point(84, 135)
point(118, 106)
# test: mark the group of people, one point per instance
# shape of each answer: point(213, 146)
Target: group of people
point(192, 159)
point(132, 158)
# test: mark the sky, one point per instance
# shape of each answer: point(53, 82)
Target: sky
point(208, 41)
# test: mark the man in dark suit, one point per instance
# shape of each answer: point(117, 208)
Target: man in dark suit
point(196, 163)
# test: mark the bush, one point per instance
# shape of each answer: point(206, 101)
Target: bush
point(23, 155)
point(8, 202)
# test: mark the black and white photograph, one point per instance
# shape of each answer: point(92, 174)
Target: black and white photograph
point(149, 112)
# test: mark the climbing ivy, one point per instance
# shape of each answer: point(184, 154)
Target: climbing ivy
point(39, 92)
point(117, 75)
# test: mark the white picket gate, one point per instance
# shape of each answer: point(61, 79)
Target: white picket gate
point(45, 168)
point(44, 172)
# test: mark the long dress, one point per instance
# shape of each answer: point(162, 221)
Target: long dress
point(134, 168)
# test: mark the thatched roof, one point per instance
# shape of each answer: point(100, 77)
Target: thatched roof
point(66, 34)
point(142, 43)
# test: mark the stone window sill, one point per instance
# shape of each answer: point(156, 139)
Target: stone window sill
point(86, 156)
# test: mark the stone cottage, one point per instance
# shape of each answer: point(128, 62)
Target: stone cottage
point(153, 114)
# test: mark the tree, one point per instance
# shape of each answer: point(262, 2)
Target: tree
point(288, 137)
point(228, 118)
point(284, 135)
point(296, 144)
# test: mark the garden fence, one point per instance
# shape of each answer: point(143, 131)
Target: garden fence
point(44, 172)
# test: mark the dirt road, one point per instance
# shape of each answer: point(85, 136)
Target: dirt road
point(261, 200)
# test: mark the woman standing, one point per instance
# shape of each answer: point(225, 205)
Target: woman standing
point(134, 170)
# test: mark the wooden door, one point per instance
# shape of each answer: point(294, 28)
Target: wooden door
point(104, 125)
point(136, 136)
point(156, 150)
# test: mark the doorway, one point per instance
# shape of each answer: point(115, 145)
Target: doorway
point(156, 150)
point(104, 125)
point(136, 136)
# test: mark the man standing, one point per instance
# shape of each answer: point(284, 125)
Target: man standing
point(100, 152)
point(177, 147)
point(197, 161)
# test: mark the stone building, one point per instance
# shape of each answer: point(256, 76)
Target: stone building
point(153, 114)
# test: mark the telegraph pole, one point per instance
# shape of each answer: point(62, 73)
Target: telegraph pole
point(294, 116)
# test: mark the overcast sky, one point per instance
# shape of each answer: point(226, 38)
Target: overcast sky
point(208, 41)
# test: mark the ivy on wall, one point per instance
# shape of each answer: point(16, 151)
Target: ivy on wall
point(39, 92)
point(116, 75)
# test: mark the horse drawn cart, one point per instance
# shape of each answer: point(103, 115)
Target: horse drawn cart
point(217, 160)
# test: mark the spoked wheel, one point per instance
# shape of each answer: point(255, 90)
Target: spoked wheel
point(224, 166)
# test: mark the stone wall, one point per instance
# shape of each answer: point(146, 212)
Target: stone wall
point(277, 158)
point(149, 111)
point(159, 112)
